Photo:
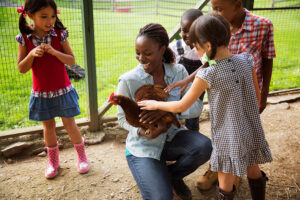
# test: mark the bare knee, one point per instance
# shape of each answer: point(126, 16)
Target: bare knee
point(49, 125)
point(254, 172)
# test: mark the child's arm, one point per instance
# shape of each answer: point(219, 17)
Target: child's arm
point(66, 57)
point(255, 82)
point(267, 66)
point(183, 83)
point(25, 61)
point(197, 88)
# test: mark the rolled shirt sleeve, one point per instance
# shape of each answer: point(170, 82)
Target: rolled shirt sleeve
point(124, 90)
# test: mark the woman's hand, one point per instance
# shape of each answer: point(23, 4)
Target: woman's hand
point(182, 84)
point(49, 49)
point(150, 117)
point(37, 51)
point(148, 104)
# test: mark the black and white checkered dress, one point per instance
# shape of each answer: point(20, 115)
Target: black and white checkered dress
point(237, 135)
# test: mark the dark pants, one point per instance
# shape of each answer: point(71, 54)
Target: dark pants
point(192, 124)
point(189, 149)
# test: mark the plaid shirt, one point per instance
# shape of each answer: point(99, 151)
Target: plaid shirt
point(255, 37)
point(52, 94)
point(47, 39)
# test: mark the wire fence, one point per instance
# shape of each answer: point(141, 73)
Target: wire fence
point(116, 24)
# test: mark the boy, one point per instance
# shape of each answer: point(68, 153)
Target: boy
point(252, 34)
point(186, 55)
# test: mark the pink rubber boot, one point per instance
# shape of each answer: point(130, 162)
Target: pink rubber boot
point(83, 165)
point(53, 162)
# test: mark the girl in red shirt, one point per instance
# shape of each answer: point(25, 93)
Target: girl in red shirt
point(44, 48)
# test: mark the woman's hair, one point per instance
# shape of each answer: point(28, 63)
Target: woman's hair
point(32, 6)
point(211, 28)
point(158, 34)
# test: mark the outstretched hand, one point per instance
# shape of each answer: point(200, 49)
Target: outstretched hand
point(148, 104)
point(182, 84)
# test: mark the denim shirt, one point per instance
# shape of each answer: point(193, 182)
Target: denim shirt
point(129, 83)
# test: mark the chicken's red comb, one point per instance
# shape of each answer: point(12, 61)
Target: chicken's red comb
point(111, 96)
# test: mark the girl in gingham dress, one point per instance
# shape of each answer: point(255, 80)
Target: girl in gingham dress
point(239, 144)
point(44, 48)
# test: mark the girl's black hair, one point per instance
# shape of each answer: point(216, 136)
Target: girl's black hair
point(191, 14)
point(32, 6)
point(158, 34)
point(211, 28)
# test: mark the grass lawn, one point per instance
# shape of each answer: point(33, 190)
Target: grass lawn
point(115, 35)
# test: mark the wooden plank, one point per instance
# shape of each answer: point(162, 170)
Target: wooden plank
point(108, 118)
point(172, 8)
point(103, 109)
point(283, 98)
point(280, 92)
point(37, 129)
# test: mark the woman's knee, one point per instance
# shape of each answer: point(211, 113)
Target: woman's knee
point(205, 146)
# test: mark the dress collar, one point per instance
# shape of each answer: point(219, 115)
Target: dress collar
point(52, 33)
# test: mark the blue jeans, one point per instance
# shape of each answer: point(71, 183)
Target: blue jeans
point(192, 124)
point(189, 149)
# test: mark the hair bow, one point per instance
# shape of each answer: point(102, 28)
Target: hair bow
point(57, 12)
point(206, 59)
point(21, 10)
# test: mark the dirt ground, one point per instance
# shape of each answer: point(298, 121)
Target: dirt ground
point(110, 178)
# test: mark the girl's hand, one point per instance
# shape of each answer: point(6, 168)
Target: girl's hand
point(49, 49)
point(182, 84)
point(148, 104)
point(37, 51)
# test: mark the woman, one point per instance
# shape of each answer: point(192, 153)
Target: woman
point(147, 153)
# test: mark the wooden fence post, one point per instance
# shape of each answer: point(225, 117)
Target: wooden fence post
point(89, 61)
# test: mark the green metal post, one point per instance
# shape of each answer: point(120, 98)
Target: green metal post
point(89, 61)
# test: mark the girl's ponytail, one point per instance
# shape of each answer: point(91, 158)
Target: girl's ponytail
point(58, 24)
point(169, 56)
point(23, 26)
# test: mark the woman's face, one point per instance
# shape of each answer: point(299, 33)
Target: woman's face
point(149, 53)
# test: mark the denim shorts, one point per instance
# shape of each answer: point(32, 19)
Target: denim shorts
point(41, 109)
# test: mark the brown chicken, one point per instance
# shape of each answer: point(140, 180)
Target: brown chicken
point(132, 110)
